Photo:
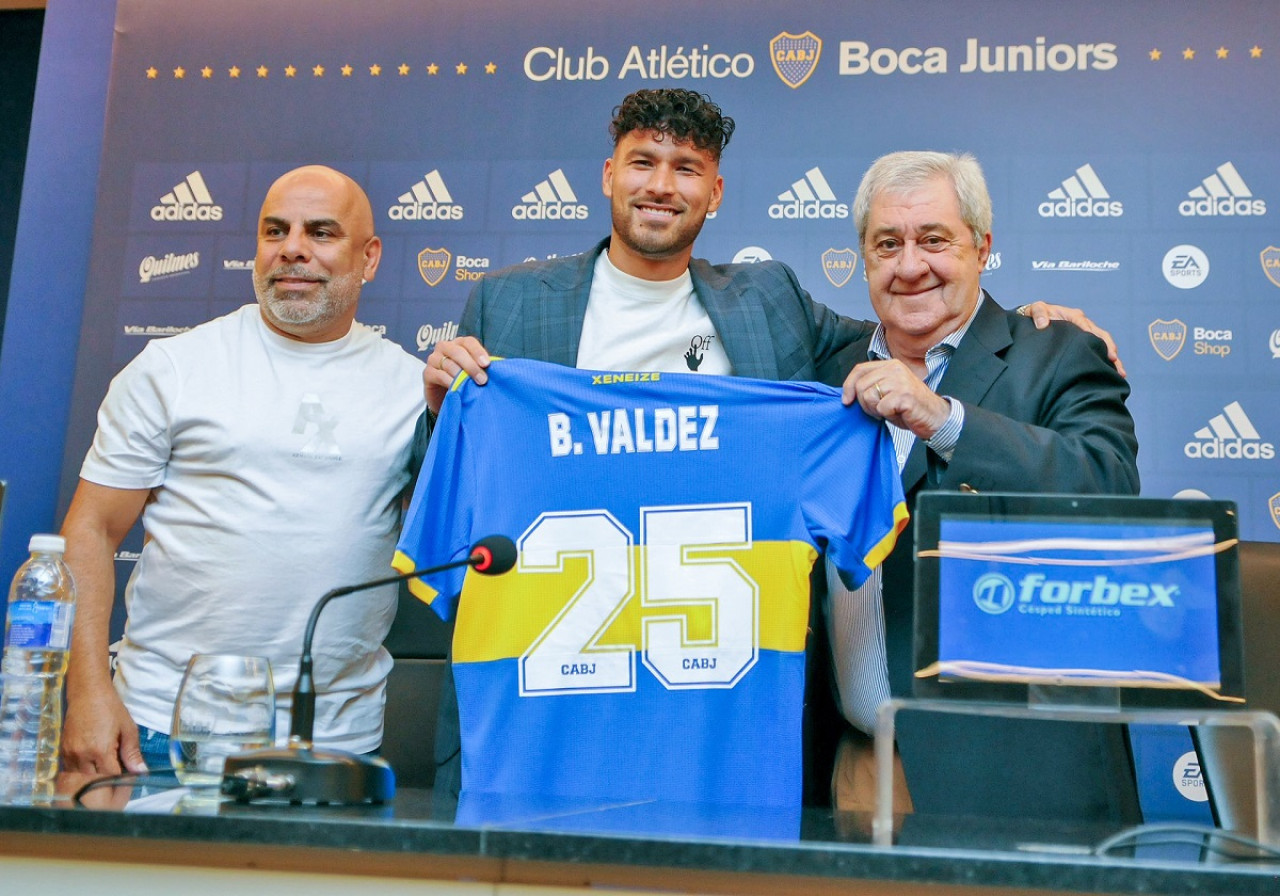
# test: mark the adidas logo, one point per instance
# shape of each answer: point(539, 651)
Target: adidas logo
point(1229, 435)
point(809, 197)
point(1081, 196)
point(427, 200)
point(551, 200)
point(1222, 193)
point(188, 201)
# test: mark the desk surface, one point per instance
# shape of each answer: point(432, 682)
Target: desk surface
point(831, 854)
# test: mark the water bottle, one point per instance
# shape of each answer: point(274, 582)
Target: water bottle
point(37, 638)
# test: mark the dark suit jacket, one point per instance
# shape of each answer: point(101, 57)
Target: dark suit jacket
point(768, 325)
point(1044, 412)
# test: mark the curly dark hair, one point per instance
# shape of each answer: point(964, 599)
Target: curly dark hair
point(686, 115)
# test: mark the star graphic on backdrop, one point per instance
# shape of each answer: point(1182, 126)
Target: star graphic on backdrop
point(490, 68)
point(375, 69)
point(317, 71)
point(234, 71)
point(460, 68)
point(346, 71)
point(1222, 52)
point(290, 71)
point(1188, 53)
point(433, 69)
point(179, 73)
point(1255, 52)
point(262, 71)
point(403, 69)
point(151, 73)
point(206, 72)
point(1155, 55)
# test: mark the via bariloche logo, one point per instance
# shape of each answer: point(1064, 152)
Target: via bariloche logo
point(795, 56)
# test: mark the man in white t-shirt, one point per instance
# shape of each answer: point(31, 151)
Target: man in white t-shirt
point(266, 452)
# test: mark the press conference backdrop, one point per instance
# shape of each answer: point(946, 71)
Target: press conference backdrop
point(1131, 150)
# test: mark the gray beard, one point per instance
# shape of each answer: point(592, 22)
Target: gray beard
point(328, 305)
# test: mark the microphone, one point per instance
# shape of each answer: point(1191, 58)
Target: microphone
point(301, 774)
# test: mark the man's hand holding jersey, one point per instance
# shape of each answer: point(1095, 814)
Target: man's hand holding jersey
point(449, 358)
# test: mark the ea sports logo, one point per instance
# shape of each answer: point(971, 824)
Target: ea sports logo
point(752, 255)
point(993, 593)
point(1188, 779)
point(1185, 266)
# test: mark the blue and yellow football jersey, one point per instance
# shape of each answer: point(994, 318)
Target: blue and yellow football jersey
point(649, 644)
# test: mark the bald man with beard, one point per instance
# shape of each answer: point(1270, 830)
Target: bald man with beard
point(266, 453)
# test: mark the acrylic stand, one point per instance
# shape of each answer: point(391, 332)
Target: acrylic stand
point(1264, 727)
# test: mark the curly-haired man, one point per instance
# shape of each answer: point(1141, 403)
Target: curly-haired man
point(640, 301)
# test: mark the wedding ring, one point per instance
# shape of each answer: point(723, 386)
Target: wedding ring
point(879, 392)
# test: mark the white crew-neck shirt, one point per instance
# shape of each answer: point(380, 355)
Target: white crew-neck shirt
point(635, 324)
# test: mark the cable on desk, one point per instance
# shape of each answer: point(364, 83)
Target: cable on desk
point(1235, 847)
point(149, 778)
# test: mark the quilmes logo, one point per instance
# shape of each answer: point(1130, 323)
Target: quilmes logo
point(809, 197)
point(172, 265)
point(795, 56)
point(1081, 196)
point(1167, 337)
point(1270, 257)
point(1274, 344)
point(428, 335)
point(1039, 595)
point(1222, 193)
point(551, 200)
point(1185, 266)
point(1229, 435)
point(839, 265)
point(433, 264)
point(427, 200)
point(189, 200)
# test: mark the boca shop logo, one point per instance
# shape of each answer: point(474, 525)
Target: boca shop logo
point(795, 56)
point(839, 265)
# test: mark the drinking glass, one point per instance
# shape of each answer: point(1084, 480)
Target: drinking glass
point(226, 704)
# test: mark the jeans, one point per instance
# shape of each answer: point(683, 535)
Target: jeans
point(155, 748)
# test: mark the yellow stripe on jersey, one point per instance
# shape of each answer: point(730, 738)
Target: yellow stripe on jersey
point(527, 603)
point(877, 554)
point(401, 562)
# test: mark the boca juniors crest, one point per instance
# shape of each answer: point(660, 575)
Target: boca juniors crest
point(839, 265)
point(795, 56)
point(1167, 337)
point(433, 264)
point(1271, 264)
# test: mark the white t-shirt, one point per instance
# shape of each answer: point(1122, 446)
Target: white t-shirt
point(278, 468)
point(634, 324)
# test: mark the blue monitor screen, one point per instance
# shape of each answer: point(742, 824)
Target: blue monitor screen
point(1078, 602)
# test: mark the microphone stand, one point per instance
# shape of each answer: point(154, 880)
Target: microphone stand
point(300, 773)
